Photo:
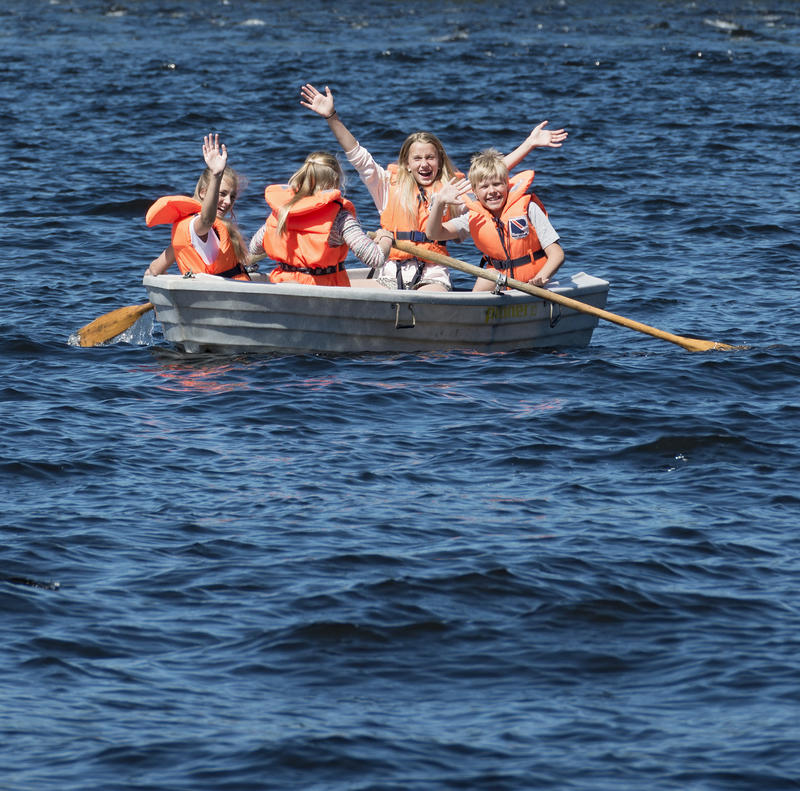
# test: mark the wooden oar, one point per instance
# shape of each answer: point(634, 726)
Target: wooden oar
point(109, 325)
point(692, 344)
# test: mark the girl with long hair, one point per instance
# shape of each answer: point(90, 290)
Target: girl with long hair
point(312, 226)
point(203, 238)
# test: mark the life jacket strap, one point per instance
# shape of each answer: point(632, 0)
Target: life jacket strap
point(417, 237)
point(310, 270)
point(414, 280)
point(233, 271)
point(511, 263)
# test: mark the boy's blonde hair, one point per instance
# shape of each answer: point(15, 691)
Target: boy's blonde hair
point(239, 183)
point(320, 171)
point(487, 164)
point(407, 185)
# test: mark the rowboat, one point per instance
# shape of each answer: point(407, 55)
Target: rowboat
point(202, 313)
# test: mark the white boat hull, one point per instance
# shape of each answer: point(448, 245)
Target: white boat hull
point(211, 314)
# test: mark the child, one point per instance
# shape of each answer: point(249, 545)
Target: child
point(403, 191)
point(202, 239)
point(312, 226)
point(507, 222)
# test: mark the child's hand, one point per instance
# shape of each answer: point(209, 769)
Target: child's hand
point(215, 155)
point(539, 280)
point(452, 190)
point(321, 104)
point(384, 239)
point(546, 138)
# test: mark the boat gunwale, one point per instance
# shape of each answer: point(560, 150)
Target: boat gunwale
point(588, 284)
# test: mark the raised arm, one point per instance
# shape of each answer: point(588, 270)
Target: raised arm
point(322, 104)
point(538, 138)
point(450, 193)
point(216, 157)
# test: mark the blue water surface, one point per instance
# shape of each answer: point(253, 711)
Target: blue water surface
point(565, 569)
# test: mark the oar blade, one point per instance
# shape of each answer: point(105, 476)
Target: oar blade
point(700, 345)
point(109, 325)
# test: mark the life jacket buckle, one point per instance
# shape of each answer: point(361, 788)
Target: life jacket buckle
point(417, 237)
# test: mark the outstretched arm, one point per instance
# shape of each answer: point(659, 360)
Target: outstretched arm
point(216, 157)
point(162, 263)
point(322, 104)
point(538, 138)
point(348, 229)
point(450, 193)
point(255, 247)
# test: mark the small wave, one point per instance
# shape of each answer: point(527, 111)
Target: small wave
point(461, 34)
point(31, 583)
point(136, 207)
point(722, 24)
point(733, 29)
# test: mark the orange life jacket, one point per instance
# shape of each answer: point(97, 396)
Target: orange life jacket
point(395, 217)
point(302, 251)
point(179, 210)
point(509, 242)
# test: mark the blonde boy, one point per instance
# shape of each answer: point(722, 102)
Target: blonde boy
point(506, 221)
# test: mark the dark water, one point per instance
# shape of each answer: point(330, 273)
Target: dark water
point(576, 569)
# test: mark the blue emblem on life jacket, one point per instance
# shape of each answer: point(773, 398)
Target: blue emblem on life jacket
point(518, 227)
